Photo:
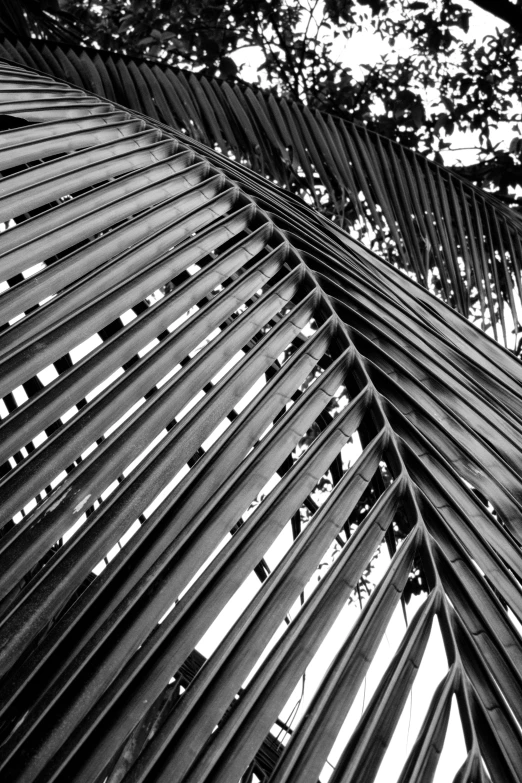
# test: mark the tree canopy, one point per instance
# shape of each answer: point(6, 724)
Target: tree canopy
point(433, 79)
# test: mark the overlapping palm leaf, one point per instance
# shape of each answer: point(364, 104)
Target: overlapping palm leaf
point(189, 355)
point(452, 237)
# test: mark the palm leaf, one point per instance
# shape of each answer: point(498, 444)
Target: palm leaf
point(187, 354)
point(447, 234)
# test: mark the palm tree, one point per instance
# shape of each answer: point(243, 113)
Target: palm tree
point(199, 367)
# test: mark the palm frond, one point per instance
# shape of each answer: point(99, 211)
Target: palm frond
point(188, 355)
point(450, 236)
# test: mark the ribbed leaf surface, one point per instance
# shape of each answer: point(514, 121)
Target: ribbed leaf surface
point(449, 235)
point(198, 371)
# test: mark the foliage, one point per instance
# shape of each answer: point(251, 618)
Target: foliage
point(433, 81)
point(240, 369)
point(188, 354)
point(451, 237)
point(42, 18)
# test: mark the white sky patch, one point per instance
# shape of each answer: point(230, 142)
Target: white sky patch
point(165, 492)
point(168, 376)
point(130, 532)
point(48, 374)
point(88, 451)
point(104, 384)
point(69, 414)
point(33, 270)
point(40, 438)
point(29, 507)
point(188, 407)
point(125, 416)
point(196, 576)
point(227, 367)
point(280, 547)
point(85, 347)
point(72, 530)
point(251, 394)
point(16, 319)
point(228, 615)
point(215, 434)
point(143, 351)
point(144, 452)
point(181, 320)
point(109, 490)
point(59, 478)
point(127, 317)
point(20, 395)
